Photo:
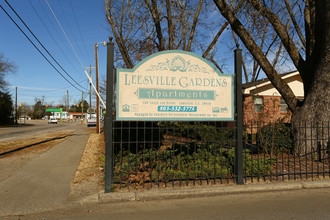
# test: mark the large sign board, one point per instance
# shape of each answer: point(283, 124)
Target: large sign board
point(174, 86)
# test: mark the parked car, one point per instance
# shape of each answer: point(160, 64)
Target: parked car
point(25, 118)
point(91, 121)
point(52, 121)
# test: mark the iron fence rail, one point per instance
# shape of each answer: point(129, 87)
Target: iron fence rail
point(149, 154)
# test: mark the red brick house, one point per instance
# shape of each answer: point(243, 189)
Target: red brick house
point(262, 103)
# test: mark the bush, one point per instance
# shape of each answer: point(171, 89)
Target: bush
point(170, 151)
point(205, 162)
point(200, 131)
point(275, 138)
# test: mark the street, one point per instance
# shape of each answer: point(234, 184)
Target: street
point(33, 128)
point(297, 204)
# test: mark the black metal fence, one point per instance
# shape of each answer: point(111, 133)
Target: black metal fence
point(287, 152)
point(160, 154)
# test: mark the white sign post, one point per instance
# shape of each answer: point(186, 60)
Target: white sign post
point(174, 86)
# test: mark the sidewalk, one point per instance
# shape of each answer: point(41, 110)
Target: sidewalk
point(44, 183)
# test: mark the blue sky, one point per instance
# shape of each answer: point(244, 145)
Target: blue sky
point(83, 22)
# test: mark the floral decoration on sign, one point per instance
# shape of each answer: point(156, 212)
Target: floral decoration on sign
point(177, 64)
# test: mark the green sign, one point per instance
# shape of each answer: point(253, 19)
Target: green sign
point(54, 110)
point(151, 93)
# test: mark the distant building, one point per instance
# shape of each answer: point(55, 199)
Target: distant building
point(76, 115)
point(58, 113)
point(262, 103)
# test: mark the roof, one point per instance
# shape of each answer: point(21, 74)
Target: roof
point(264, 87)
point(76, 113)
point(264, 80)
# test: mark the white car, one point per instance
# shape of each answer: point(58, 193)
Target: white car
point(91, 121)
point(52, 121)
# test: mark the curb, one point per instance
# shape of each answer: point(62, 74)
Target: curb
point(211, 191)
point(315, 184)
point(167, 194)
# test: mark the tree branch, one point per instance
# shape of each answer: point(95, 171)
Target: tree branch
point(215, 39)
point(295, 24)
point(194, 24)
point(216, 65)
point(309, 27)
point(287, 41)
point(183, 26)
point(251, 45)
point(155, 15)
point(169, 24)
point(122, 48)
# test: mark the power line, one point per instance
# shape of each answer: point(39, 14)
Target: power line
point(71, 29)
point(55, 28)
point(42, 44)
point(80, 34)
point(38, 89)
point(75, 53)
point(58, 22)
point(43, 89)
point(67, 58)
point(38, 48)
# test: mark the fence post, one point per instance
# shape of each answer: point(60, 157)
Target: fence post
point(319, 151)
point(328, 151)
point(238, 117)
point(109, 118)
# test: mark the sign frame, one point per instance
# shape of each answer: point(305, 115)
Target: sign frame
point(175, 108)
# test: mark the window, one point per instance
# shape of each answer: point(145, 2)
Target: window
point(284, 106)
point(258, 104)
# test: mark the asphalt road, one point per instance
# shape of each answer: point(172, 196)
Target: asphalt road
point(296, 204)
point(33, 128)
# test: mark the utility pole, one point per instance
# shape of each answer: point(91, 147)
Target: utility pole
point(97, 89)
point(67, 103)
point(16, 108)
point(90, 93)
point(82, 105)
point(90, 89)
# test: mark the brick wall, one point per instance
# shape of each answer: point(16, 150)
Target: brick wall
point(270, 113)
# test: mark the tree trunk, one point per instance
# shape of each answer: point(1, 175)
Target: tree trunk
point(315, 109)
point(311, 120)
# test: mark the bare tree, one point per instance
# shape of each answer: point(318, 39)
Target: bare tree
point(308, 52)
point(25, 110)
point(5, 68)
point(141, 28)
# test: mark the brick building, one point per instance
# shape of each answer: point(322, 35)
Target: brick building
point(262, 103)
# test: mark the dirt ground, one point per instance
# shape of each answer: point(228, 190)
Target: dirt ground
point(88, 178)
